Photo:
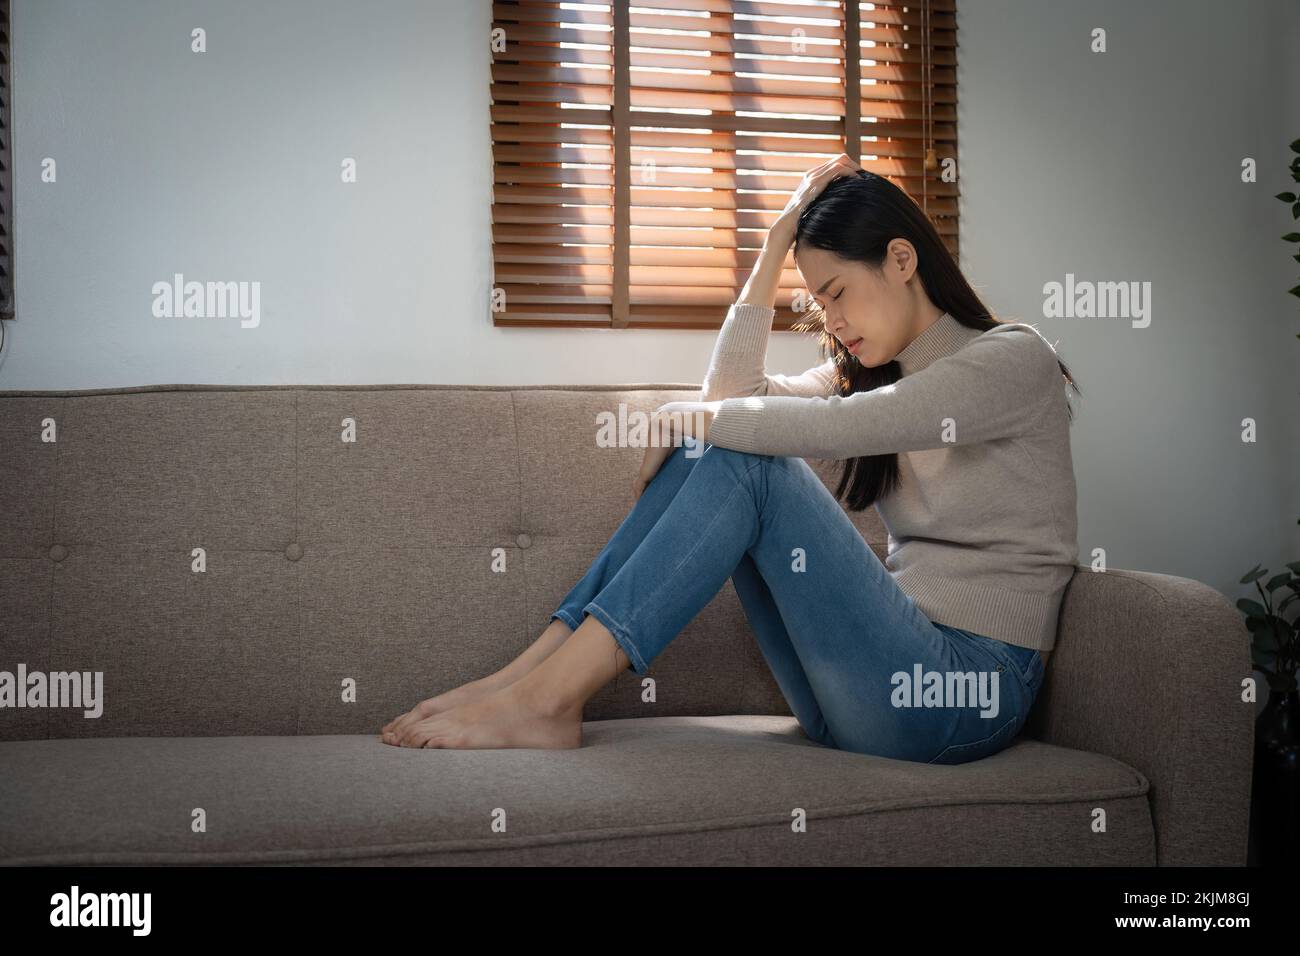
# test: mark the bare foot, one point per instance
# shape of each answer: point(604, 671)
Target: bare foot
point(550, 640)
point(509, 717)
point(445, 701)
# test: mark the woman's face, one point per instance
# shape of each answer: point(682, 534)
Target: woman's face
point(870, 312)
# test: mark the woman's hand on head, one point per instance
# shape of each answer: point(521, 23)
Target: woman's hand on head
point(809, 188)
point(673, 425)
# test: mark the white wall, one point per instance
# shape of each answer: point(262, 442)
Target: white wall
point(225, 166)
point(1127, 166)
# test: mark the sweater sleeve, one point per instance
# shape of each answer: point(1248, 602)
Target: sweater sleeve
point(997, 386)
point(738, 364)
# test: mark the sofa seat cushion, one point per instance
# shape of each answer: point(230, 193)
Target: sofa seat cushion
point(645, 791)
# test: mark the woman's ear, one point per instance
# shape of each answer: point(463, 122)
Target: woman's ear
point(902, 257)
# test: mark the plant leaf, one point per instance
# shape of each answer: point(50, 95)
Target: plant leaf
point(1251, 608)
point(1281, 632)
point(1291, 237)
point(1262, 633)
point(1260, 625)
point(1286, 197)
point(1266, 643)
point(1295, 145)
point(1281, 683)
point(1254, 574)
point(1262, 659)
point(1277, 580)
point(1294, 566)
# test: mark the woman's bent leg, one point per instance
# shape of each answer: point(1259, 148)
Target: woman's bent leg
point(778, 650)
point(860, 640)
point(887, 680)
point(654, 500)
point(568, 615)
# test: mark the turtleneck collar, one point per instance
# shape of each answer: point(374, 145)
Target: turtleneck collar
point(945, 336)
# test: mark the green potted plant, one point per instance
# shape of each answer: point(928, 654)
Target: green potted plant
point(1275, 793)
point(1275, 782)
point(1273, 638)
point(1294, 201)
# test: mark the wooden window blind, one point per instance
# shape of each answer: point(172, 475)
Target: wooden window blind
point(6, 173)
point(641, 151)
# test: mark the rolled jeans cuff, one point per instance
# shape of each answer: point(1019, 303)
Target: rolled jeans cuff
point(567, 618)
point(620, 635)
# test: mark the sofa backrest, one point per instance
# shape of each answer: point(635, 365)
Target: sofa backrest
point(342, 581)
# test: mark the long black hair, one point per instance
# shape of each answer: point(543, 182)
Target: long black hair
point(855, 218)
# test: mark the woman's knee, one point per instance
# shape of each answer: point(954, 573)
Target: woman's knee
point(682, 457)
point(742, 460)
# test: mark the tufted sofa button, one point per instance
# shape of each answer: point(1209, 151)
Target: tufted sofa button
point(58, 552)
point(524, 541)
point(293, 552)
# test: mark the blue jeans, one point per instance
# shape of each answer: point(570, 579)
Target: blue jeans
point(862, 668)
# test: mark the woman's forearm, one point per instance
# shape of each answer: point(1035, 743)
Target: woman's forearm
point(736, 367)
point(765, 278)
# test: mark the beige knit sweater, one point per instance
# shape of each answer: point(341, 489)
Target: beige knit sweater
point(983, 527)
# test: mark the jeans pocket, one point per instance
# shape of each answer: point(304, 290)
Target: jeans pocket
point(984, 747)
point(1027, 662)
point(1037, 671)
point(1014, 668)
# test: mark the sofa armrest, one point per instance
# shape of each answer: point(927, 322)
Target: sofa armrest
point(1147, 669)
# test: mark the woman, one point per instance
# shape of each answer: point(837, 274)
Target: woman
point(954, 425)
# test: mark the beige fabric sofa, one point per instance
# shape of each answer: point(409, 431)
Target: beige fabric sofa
point(370, 562)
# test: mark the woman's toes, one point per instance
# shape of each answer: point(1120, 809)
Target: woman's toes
point(397, 722)
point(420, 711)
point(413, 735)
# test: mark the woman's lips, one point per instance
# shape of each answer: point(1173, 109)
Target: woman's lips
point(853, 345)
